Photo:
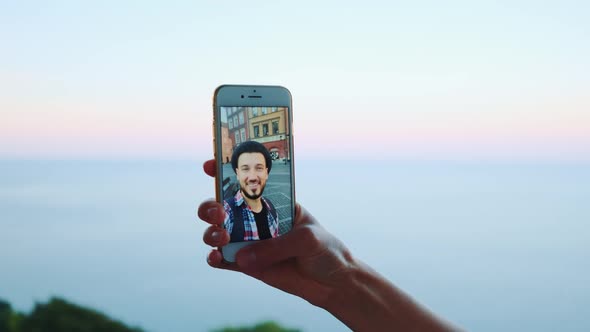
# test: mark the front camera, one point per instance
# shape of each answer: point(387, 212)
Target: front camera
point(242, 96)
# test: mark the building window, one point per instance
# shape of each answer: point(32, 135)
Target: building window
point(273, 109)
point(275, 127)
point(254, 112)
point(264, 110)
point(241, 117)
point(230, 124)
point(243, 134)
point(256, 131)
point(265, 129)
point(237, 137)
point(235, 121)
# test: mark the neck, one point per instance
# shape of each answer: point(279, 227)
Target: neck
point(254, 204)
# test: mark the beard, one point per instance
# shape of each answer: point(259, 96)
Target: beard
point(255, 194)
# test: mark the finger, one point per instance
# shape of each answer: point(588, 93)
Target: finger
point(300, 242)
point(303, 217)
point(209, 167)
point(211, 212)
point(215, 259)
point(215, 236)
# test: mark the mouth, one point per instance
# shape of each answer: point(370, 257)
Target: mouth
point(253, 186)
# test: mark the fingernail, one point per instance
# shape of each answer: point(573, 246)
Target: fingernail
point(246, 259)
point(212, 212)
point(216, 236)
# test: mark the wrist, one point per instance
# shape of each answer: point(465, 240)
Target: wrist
point(350, 298)
point(365, 301)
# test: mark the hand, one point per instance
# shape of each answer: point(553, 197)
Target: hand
point(311, 263)
point(308, 261)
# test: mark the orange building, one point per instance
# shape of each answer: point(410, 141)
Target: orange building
point(268, 125)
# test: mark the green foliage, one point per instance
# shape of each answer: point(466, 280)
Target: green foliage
point(262, 327)
point(58, 315)
point(9, 319)
point(5, 315)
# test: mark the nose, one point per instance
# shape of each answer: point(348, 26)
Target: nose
point(251, 176)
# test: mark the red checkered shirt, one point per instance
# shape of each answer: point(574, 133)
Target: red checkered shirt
point(250, 229)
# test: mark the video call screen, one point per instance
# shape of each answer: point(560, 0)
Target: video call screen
point(264, 172)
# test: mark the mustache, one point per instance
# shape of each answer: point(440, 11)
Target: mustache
point(256, 194)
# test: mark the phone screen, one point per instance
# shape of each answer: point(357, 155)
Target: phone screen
point(256, 171)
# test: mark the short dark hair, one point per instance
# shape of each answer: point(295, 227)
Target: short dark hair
point(250, 147)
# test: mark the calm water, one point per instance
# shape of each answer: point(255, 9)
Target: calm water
point(492, 247)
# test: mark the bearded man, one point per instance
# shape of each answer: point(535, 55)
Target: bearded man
point(249, 215)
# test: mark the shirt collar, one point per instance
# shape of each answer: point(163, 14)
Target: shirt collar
point(239, 199)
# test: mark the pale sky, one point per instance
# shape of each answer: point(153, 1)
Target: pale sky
point(502, 80)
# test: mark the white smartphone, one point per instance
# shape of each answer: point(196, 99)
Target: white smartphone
point(253, 143)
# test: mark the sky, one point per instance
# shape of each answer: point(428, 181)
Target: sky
point(492, 81)
point(501, 80)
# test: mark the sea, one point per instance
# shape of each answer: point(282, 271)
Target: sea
point(488, 246)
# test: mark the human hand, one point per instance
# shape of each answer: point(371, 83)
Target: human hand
point(308, 261)
point(311, 263)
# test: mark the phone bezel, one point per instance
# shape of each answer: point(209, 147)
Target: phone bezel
point(248, 96)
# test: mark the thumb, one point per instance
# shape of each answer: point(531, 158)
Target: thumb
point(300, 242)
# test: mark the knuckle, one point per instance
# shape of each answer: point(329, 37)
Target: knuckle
point(202, 210)
point(311, 237)
point(207, 235)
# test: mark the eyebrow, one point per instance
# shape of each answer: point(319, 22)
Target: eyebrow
point(257, 165)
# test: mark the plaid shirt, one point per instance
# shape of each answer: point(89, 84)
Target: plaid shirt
point(250, 229)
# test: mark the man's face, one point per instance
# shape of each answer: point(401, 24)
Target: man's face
point(252, 174)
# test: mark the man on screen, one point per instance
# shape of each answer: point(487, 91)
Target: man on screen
point(248, 215)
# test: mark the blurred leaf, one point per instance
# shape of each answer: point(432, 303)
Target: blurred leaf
point(59, 315)
point(261, 327)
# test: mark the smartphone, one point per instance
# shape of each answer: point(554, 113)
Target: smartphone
point(253, 143)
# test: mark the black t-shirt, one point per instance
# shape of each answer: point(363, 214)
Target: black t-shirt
point(262, 223)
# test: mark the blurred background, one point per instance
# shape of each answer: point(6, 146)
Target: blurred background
point(446, 143)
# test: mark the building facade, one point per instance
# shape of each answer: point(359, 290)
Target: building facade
point(226, 144)
point(269, 126)
point(237, 125)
